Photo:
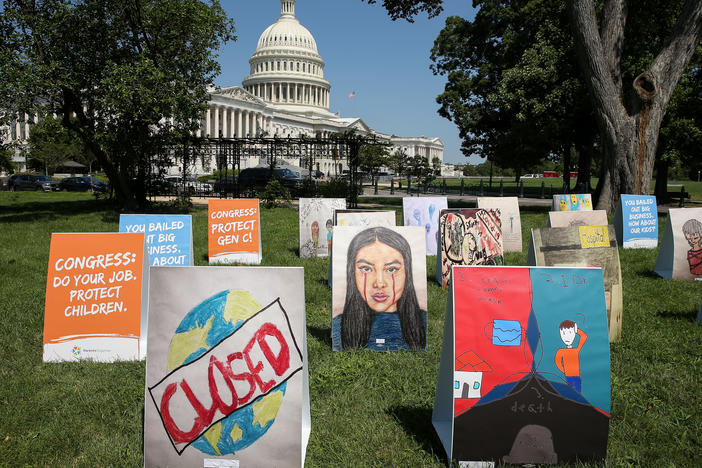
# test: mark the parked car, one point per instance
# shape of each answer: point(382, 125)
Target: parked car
point(190, 183)
point(256, 178)
point(32, 182)
point(225, 185)
point(83, 184)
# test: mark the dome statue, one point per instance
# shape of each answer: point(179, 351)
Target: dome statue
point(286, 68)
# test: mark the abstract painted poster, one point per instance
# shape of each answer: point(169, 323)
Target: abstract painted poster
point(577, 218)
point(96, 297)
point(468, 237)
point(636, 222)
point(424, 212)
point(680, 253)
point(508, 207)
point(316, 222)
point(234, 231)
point(379, 297)
point(584, 246)
point(524, 376)
point(226, 375)
point(169, 238)
point(572, 202)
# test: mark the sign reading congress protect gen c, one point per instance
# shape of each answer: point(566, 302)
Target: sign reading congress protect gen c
point(233, 233)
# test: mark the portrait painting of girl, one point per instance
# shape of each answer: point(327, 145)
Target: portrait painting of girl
point(379, 302)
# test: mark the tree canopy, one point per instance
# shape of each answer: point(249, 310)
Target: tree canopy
point(129, 78)
point(512, 70)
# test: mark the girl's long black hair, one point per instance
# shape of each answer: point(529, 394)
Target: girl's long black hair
point(357, 315)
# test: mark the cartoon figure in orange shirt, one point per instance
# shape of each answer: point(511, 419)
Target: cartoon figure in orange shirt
point(568, 358)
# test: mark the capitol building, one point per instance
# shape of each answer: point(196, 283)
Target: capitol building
point(284, 94)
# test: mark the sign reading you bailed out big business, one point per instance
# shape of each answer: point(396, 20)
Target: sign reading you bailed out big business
point(636, 222)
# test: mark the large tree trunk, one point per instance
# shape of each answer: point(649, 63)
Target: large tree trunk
point(661, 191)
point(629, 128)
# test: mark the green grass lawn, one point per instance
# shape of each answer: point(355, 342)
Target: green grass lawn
point(368, 408)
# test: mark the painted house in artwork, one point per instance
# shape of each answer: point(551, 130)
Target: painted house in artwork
point(468, 375)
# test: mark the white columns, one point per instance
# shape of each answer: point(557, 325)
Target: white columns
point(225, 122)
point(208, 123)
point(239, 118)
point(245, 116)
point(215, 133)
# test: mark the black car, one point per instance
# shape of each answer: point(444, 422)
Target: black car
point(32, 182)
point(83, 184)
point(256, 178)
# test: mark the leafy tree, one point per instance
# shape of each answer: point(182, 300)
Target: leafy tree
point(418, 166)
point(436, 165)
point(132, 74)
point(629, 69)
point(372, 158)
point(6, 163)
point(51, 144)
point(397, 161)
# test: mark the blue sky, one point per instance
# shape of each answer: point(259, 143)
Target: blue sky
point(386, 63)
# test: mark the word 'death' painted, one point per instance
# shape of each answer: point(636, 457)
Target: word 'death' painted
point(524, 374)
point(255, 360)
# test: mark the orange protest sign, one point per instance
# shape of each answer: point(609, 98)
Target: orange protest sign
point(93, 306)
point(233, 233)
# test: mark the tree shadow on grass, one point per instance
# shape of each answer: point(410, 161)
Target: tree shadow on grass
point(323, 335)
point(682, 315)
point(52, 209)
point(416, 422)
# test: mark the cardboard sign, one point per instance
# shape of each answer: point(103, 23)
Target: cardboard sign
point(367, 218)
point(636, 222)
point(577, 218)
point(572, 202)
point(379, 297)
point(680, 254)
point(424, 212)
point(468, 237)
point(522, 379)
point(169, 238)
point(227, 376)
point(508, 207)
point(96, 297)
point(584, 246)
point(316, 222)
point(234, 234)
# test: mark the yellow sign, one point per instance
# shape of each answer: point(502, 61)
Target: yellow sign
point(593, 236)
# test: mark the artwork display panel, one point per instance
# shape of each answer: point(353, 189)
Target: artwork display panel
point(510, 219)
point(584, 246)
point(226, 377)
point(577, 218)
point(470, 236)
point(316, 222)
point(636, 222)
point(96, 304)
point(379, 296)
point(169, 238)
point(233, 231)
point(572, 202)
point(531, 374)
point(680, 253)
point(424, 212)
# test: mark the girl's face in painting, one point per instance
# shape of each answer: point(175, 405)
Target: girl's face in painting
point(694, 240)
point(380, 276)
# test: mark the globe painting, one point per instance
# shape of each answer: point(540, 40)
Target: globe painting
point(205, 326)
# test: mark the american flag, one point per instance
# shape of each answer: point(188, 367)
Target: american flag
point(352, 94)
